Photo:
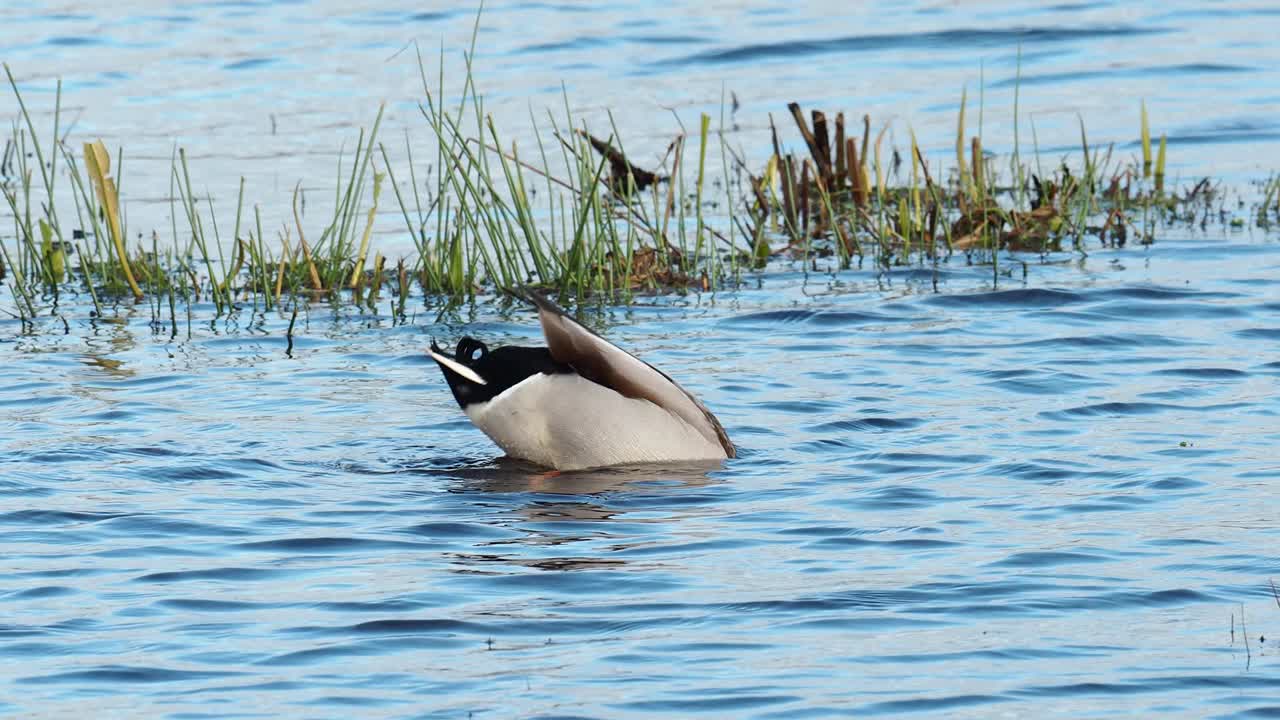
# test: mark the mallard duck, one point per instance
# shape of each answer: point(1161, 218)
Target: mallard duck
point(579, 402)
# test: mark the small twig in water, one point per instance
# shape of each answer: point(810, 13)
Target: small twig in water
point(289, 333)
point(1244, 635)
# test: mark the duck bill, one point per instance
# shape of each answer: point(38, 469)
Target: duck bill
point(449, 364)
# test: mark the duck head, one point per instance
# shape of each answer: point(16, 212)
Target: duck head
point(477, 374)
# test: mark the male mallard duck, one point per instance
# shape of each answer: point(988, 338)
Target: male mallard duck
point(580, 402)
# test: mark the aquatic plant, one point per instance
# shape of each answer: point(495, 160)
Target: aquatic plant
point(603, 227)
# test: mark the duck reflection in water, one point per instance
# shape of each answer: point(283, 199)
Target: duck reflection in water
point(579, 508)
point(511, 475)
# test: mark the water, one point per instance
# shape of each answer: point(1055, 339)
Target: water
point(1045, 495)
point(272, 92)
point(1054, 495)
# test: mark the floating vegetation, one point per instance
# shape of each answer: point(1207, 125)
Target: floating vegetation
point(491, 218)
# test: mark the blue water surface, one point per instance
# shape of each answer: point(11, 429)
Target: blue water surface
point(1051, 494)
point(1041, 489)
point(276, 92)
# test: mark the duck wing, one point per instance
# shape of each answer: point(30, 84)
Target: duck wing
point(607, 364)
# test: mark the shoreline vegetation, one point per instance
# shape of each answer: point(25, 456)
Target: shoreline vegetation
point(493, 217)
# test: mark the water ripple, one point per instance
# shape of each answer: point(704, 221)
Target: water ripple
point(965, 38)
point(960, 490)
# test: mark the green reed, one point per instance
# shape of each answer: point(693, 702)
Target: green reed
point(572, 215)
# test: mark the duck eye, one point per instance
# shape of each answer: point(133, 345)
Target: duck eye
point(470, 350)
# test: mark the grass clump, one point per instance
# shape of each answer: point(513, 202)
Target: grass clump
point(575, 215)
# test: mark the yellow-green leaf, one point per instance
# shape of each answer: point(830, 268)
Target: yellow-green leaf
point(54, 259)
point(97, 162)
